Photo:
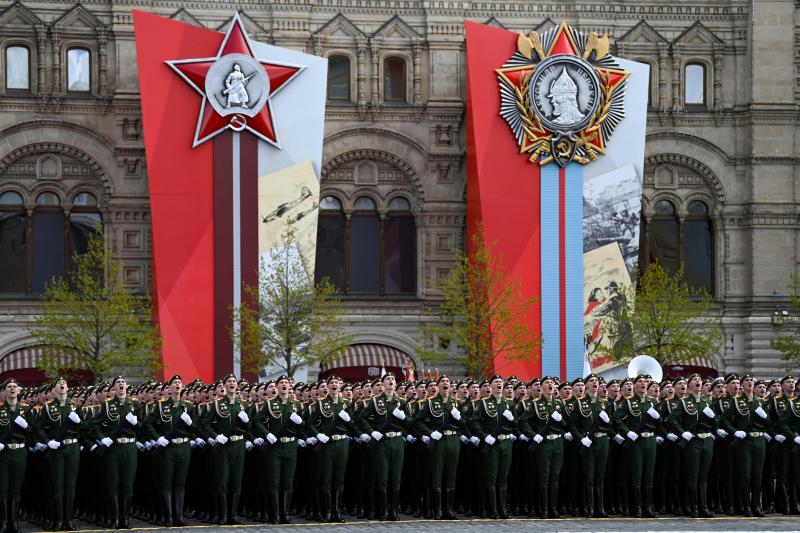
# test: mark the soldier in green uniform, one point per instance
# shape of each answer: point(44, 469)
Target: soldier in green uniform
point(171, 424)
point(383, 420)
point(15, 432)
point(590, 425)
point(695, 422)
point(637, 418)
point(441, 420)
point(789, 425)
point(58, 425)
point(225, 425)
point(544, 426)
point(750, 421)
point(114, 428)
point(779, 406)
point(280, 426)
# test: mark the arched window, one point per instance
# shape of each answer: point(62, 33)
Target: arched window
point(18, 68)
point(78, 70)
point(339, 78)
point(394, 79)
point(48, 241)
point(364, 247)
point(13, 244)
point(84, 221)
point(696, 247)
point(694, 85)
point(399, 244)
point(330, 261)
point(662, 236)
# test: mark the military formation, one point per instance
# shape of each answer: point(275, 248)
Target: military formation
point(329, 451)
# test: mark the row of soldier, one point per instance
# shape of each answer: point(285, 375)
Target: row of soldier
point(373, 449)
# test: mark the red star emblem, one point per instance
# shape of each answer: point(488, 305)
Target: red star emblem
point(214, 119)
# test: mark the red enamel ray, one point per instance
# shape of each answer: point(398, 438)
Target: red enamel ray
point(262, 123)
point(196, 72)
point(211, 122)
point(516, 76)
point(237, 44)
point(614, 78)
point(278, 75)
point(563, 44)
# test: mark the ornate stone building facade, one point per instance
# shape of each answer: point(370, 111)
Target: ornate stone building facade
point(721, 154)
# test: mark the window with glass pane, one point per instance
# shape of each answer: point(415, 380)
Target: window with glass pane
point(330, 261)
point(48, 198)
point(78, 74)
point(85, 199)
point(364, 256)
point(11, 198)
point(339, 78)
point(364, 204)
point(697, 247)
point(399, 267)
point(662, 235)
point(18, 68)
point(13, 252)
point(394, 80)
point(82, 226)
point(694, 84)
point(48, 247)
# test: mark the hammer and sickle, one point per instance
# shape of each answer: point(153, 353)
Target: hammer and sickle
point(238, 122)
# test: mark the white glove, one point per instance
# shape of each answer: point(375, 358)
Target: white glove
point(364, 437)
point(222, 439)
point(272, 439)
point(722, 433)
point(21, 422)
point(739, 434)
point(619, 439)
point(397, 413)
point(186, 418)
point(523, 437)
point(513, 437)
point(151, 444)
point(301, 443)
point(556, 416)
point(2, 446)
point(488, 439)
point(425, 439)
point(797, 440)
point(74, 417)
point(162, 442)
point(311, 440)
point(604, 417)
point(436, 435)
point(343, 415)
point(538, 438)
point(53, 444)
point(410, 439)
point(93, 448)
point(659, 440)
point(40, 446)
point(767, 437)
point(475, 440)
point(586, 441)
point(463, 439)
point(258, 441)
point(455, 413)
point(507, 415)
point(323, 438)
point(132, 419)
point(653, 414)
point(243, 417)
point(760, 412)
point(140, 446)
point(376, 435)
point(633, 436)
point(567, 436)
point(295, 418)
point(686, 436)
point(672, 437)
point(709, 412)
point(248, 445)
point(105, 441)
point(212, 441)
point(780, 438)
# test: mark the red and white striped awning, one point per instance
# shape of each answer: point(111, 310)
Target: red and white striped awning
point(370, 355)
point(27, 357)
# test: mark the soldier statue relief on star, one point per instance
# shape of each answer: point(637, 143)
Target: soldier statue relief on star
point(236, 90)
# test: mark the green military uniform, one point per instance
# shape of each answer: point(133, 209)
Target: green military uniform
point(225, 426)
point(694, 422)
point(750, 448)
point(172, 425)
point(15, 433)
point(789, 426)
point(780, 412)
point(378, 418)
point(631, 419)
point(591, 421)
point(545, 426)
point(59, 425)
point(489, 424)
point(442, 417)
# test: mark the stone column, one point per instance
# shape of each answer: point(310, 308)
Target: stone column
point(717, 78)
point(376, 72)
point(55, 36)
point(41, 67)
point(102, 63)
point(417, 87)
point(361, 81)
point(677, 103)
point(663, 95)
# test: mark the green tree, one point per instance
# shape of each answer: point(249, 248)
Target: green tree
point(789, 344)
point(662, 317)
point(91, 322)
point(286, 320)
point(483, 313)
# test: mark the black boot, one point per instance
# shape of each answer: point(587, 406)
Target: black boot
point(166, 510)
point(703, 509)
point(588, 501)
point(286, 507)
point(233, 513)
point(13, 519)
point(57, 517)
point(599, 502)
point(447, 508)
point(380, 505)
point(111, 519)
point(491, 503)
point(648, 511)
point(325, 506)
point(426, 503)
point(636, 502)
point(222, 508)
point(124, 513)
point(691, 497)
point(337, 504)
point(782, 498)
point(744, 498)
point(273, 504)
point(553, 500)
point(436, 504)
point(756, 502)
point(394, 497)
point(68, 506)
point(177, 518)
point(543, 506)
point(502, 502)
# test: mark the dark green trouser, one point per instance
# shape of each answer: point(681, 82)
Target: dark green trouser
point(497, 463)
point(750, 460)
point(444, 462)
point(62, 468)
point(697, 461)
point(173, 465)
point(333, 464)
point(281, 461)
point(12, 471)
point(389, 456)
point(228, 466)
point(593, 461)
point(549, 458)
point(120, 461)
point(641, 456)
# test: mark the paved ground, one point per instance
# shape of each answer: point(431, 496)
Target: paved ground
point(634, 525)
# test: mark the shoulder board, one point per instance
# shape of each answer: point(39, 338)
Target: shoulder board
point(23, 404)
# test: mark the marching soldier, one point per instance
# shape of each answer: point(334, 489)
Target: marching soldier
point(750, 421)
point(779, 407)
point(15, 433)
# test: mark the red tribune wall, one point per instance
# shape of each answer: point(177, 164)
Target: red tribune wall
point(502, 187)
